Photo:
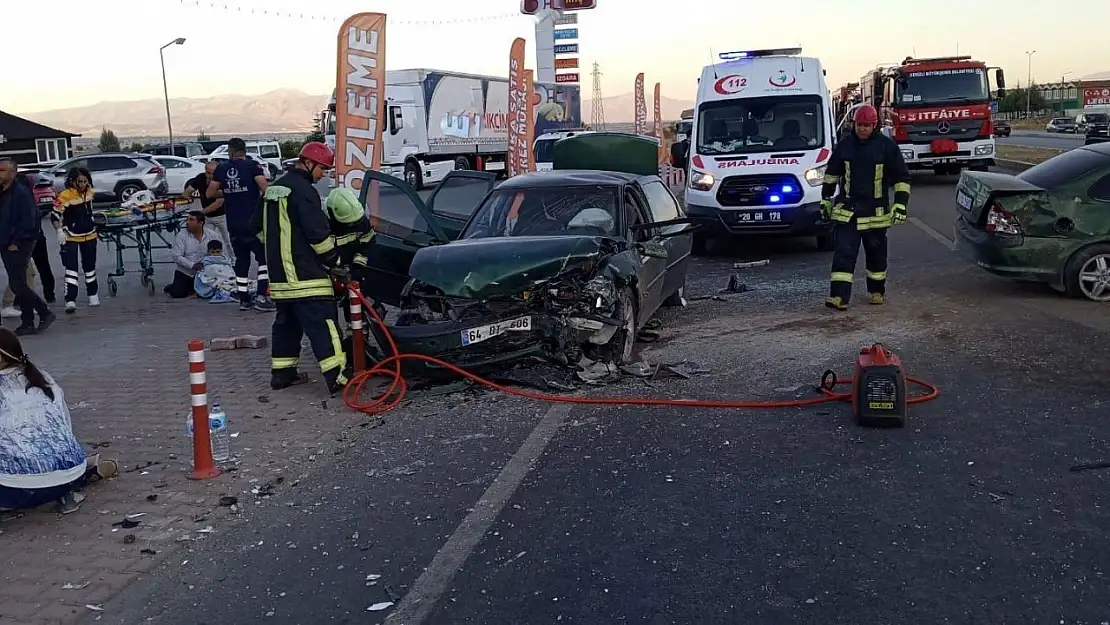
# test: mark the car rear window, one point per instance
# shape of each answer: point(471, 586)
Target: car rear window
point(1064, 168)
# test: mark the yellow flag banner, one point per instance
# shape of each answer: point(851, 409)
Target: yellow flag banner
point(530, 115)
point(360, 102)
point(658, 123)
point(640, 127)
point(519, 99)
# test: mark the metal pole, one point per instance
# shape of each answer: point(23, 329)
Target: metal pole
point(166, 93)
point(1029, 83)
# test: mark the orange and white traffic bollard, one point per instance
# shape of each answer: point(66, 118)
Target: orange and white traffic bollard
point(358, 336)
point(204, 467)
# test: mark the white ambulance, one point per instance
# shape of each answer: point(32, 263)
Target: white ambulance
point(762, 134)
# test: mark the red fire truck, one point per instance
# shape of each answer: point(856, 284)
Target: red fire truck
point(937, 110)
point(843, 99)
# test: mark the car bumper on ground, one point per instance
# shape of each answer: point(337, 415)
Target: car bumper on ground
point(1010, 256)
point(800, 220)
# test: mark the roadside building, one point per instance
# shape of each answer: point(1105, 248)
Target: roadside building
point(29, 142)
point(1095, 93)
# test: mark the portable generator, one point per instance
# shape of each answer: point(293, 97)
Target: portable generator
point(879, 389)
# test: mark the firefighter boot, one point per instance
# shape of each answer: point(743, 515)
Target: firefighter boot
point(337, 385)
point(876, 299)
point(284, 378)
point(836, 303)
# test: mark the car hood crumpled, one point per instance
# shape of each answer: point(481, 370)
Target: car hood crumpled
point(500, 266)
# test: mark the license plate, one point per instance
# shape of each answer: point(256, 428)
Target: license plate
point(963, 199)
point(758, 216)
point(486, 332)
point(944, 161)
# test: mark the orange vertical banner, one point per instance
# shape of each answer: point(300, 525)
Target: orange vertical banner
point(640, 127)
point(658, 126)
point(360, 103)
point(530, 115)
point(519, 99)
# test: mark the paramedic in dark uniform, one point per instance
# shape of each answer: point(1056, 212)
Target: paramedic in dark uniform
point(864, 167)
point(240, 182)
point(300, 250)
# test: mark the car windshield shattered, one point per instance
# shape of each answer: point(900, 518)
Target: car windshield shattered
point(758, 125)
point(546, 211)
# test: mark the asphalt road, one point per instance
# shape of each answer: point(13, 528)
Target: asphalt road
point(487, 509)
point(1042, 140)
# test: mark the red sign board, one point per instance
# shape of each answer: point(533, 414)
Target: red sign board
point(571, 63)
point(572, 77)
point(1096, 96)
point(531, 7)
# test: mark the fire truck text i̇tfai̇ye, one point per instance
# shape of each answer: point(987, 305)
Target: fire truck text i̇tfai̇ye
point(938, 111)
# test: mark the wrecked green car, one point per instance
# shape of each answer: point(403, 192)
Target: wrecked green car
point(1050, 224)
point(558, 264)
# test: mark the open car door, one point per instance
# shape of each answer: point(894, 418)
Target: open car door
point(404, 223)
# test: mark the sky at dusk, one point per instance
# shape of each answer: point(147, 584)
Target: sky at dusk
point(113, 53)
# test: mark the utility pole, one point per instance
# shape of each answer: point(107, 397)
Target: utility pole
point(597, 106)
point(165, 89)
point(1029, 82)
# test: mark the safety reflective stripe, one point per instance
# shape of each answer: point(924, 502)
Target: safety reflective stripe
point(283, 363)
point(320, 287)
point(343, 239)
point(80, 238)
point(847, 178)
point(367, 237)
point(285, 243)
point(360, 259)
point(830, 179)
point(841, 276)
point(338, 358)
point(876, 275)
point(325, 246)
point(879, 181)
point(841, 214)
point(874, 223)
point(901, 187)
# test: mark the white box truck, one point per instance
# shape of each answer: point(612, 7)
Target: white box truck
point(437, 121)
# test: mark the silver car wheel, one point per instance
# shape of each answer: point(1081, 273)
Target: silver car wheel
point(1094, 278)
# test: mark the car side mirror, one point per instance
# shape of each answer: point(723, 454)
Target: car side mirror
point(652, 249)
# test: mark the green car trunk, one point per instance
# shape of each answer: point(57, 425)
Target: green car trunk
point(609, 151)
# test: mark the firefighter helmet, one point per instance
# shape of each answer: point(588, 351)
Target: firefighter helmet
point(866, 114)
point(318, 153)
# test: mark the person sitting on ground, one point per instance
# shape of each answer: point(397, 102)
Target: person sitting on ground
point(41, 460)
point(216, 279)
point(189, 249)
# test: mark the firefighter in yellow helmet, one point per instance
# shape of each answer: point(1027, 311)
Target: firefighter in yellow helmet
point(864, 166)
point(351, 229)
point(301, 256)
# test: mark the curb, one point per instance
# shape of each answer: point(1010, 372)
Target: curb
point(1005, 162)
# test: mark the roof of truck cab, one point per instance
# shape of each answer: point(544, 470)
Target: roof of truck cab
point(568, 178)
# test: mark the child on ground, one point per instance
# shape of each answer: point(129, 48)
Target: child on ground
point(216, 279)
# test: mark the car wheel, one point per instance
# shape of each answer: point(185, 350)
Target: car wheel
point(1088, 273)
point(126, 191)
point(413, 175)
point(462, 164)
point(621, 346)
point(678, 298)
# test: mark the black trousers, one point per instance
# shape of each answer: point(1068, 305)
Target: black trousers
point(83, 253)
point(244, 247)
point(182, 286)
point(317, 319)
point(848, 240)
point(41, 256)
point(15, 262)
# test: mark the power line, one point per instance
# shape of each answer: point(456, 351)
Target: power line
point(324, 18)
point(597, 105)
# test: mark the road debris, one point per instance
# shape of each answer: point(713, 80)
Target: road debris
point(378, 607)
point(754, 263)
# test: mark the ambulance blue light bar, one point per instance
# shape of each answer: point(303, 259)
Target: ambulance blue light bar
point(752, 54)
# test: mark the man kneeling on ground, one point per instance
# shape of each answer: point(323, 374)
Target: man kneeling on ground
point(189, 250)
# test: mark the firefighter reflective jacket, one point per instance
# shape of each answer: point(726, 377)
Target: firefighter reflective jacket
point(299, 246)
point(351, 228)
point(864, 171)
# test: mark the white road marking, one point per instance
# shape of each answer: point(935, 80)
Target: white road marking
point(421, 599)
point(943, 240)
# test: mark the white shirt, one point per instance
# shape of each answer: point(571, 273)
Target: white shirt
point(189, 250)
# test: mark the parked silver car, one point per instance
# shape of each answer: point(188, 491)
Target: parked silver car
point(1060, 124)
point(115, 176)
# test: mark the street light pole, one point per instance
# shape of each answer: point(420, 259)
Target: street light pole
point(1029, 83)
point(165, 88)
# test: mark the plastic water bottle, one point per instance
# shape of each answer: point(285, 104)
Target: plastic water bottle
point(221, 437)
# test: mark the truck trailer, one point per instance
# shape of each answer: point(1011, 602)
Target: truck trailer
point(438, 121)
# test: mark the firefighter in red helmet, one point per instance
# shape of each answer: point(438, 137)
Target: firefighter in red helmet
point(864, 167)
point(301, 255)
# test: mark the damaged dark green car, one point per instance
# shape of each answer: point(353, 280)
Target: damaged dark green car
point(558, 264)
point(1050, 224)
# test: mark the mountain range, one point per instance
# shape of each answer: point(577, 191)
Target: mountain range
point(279, 111)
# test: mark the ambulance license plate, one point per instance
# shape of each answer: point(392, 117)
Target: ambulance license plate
point(486, 332)
point(754, 217)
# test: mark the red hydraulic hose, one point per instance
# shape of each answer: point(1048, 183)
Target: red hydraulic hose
point(390, 368)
